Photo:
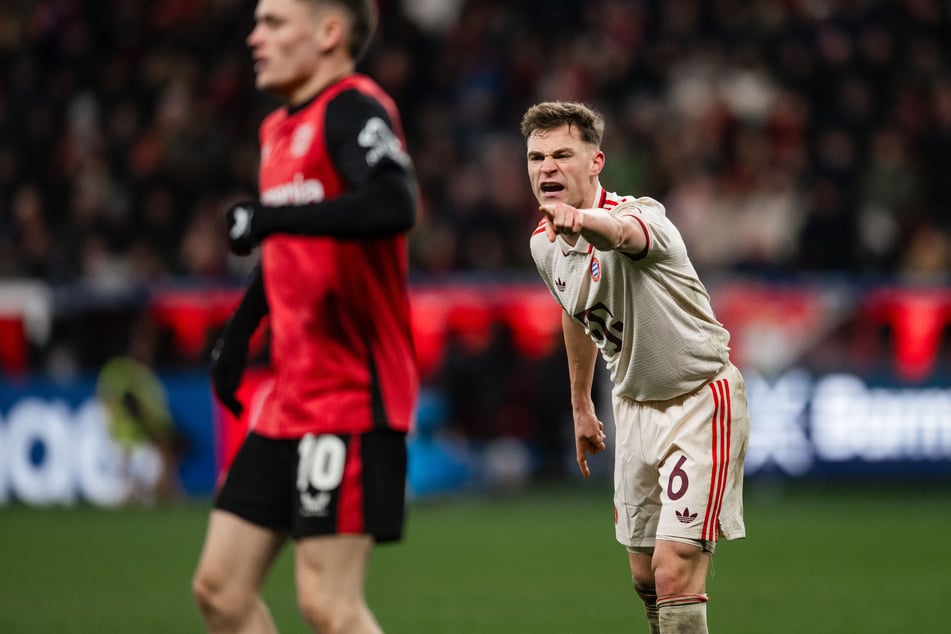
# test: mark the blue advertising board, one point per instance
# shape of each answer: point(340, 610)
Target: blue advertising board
point(55, 447)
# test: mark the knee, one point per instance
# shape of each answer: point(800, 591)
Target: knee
point(642, 571)
point(218, 604)
point(669, 577)
point(205, 591)
point(330, 615)
point(680, 569)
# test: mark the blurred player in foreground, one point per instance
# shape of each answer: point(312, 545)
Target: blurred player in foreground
point(325, 462)
point(620, 271)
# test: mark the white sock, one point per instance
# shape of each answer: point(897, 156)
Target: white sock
point(683, 614)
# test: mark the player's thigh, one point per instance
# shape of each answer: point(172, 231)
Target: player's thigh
point(237, 554)
point(332, 566)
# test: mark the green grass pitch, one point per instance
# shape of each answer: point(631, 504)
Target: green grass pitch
point(836, 560)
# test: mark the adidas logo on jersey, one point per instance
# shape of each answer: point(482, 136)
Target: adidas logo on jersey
point(686, 516)
point(560, 285)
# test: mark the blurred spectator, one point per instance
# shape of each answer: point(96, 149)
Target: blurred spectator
point(140, 421)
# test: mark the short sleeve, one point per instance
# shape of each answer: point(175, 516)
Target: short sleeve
point(661, 234)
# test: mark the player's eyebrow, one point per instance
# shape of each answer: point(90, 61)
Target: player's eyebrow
point(556, 153)
point(268, 19)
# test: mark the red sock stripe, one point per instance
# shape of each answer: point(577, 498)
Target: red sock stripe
point(721, 436)
point(681, 599)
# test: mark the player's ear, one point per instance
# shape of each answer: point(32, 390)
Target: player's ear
point(331, 31)
point(597, 163)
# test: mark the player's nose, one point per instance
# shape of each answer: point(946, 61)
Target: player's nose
point(548, 165)
point(254, 37)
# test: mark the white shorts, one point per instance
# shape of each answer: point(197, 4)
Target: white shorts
point(678, 470)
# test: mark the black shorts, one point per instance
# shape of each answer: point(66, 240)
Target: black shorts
point(326, 484)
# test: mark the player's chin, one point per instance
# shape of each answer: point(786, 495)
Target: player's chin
point(266, 80)
point(263, 82)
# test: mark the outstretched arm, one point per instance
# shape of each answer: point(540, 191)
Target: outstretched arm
point(582, 355)
point(605, 231)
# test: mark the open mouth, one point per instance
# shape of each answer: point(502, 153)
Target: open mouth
point(549, 188)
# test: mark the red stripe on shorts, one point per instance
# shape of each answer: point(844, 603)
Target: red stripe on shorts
point(715, 467)
point(724, 388)
point(721, 432)
point(350, 504)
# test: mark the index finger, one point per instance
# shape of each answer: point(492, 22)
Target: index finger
point(583, 463)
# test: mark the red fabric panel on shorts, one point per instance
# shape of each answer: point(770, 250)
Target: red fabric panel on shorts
point(350, 504)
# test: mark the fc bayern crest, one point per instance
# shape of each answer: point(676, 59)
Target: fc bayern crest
point(595, 268)
point(303, 136)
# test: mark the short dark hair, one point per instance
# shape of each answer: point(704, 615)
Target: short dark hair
point(363, 20)
point(549, 115)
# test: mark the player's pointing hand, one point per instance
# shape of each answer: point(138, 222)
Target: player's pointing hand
point(561, 219)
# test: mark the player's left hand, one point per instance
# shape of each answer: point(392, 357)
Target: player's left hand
point(561, 218)
point(228, 360)
point(239, 220)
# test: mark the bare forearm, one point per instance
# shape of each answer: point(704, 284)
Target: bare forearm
point(582, 355)
point(608, 233)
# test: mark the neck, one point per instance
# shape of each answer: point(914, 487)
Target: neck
point(591, 199)
point(327, 74)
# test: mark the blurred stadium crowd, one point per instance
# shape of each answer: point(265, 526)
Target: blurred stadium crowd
point(783, 135)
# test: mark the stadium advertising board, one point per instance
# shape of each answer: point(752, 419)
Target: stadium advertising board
point(55, 448)
point(837, 424)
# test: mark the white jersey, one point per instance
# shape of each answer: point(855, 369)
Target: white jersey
point(648, 313)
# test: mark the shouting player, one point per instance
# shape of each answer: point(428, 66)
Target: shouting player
point(325, 463)
point(619, 269)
